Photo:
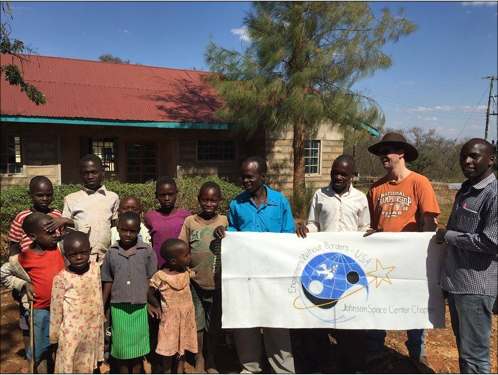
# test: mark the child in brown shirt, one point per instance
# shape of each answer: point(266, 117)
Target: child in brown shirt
point(197, 231)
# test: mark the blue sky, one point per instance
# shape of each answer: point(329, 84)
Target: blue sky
point(435, 80)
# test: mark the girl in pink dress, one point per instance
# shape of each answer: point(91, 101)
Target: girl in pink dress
point(76, 310)
point(177, 330)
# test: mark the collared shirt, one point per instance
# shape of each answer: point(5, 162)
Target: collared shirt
point(331, 212)
point(272, 216)
point(143, 235)
point(130, 274)
point(94, 209)
point(470, 265)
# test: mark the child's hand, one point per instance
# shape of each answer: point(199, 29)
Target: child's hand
point(29, 289)
point(219, 232)
point(301, 231)
point(154, 312)
point(369, 232)
point(55, 223)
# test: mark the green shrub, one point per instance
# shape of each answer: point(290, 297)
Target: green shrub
point(16, 199)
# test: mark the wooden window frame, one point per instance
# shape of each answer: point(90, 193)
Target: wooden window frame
point(5, 154)
point(232, 158)
point(309, 146)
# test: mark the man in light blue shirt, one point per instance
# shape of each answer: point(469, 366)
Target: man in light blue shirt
point(260, 209)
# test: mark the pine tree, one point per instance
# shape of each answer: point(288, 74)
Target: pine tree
point(300, 68)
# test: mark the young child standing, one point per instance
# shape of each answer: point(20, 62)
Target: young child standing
point(131, 203)
point(37, 266)
point(76, 310)
point(94, 206)
point(127, 268)
point(205, 285)
point(165, 222)
point(177, 331)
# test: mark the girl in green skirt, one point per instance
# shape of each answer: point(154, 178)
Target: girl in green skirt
point(128, 266)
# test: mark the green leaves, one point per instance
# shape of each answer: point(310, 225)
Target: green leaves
point(13, 73)
point(301, 46)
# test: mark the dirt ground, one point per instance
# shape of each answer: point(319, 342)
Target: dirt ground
point(440, 347)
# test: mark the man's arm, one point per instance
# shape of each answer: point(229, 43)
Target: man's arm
point(287, 218)
point(483, 242)
point(430, 222)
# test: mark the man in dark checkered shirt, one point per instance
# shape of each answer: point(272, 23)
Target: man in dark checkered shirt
point(470, 267)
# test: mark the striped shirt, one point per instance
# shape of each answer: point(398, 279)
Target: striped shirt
point(471, 262)
point(16, 233)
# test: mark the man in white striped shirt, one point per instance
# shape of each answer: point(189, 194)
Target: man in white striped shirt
point(339, 207)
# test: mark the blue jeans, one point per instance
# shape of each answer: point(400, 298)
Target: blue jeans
point(41, 330)
point(471, 320)
point(415, 342)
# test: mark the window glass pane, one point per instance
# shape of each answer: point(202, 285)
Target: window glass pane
point(10, 154)
point(312, 156)
point(215, 150)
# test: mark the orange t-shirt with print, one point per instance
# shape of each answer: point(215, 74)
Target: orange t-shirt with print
point(396, 206)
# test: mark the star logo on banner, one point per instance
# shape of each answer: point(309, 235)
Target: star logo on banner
point(381, 273)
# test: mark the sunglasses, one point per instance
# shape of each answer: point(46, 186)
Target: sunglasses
point(387, 151)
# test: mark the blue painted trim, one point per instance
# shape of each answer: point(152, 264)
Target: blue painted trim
point(370, 129)
point(159, 125)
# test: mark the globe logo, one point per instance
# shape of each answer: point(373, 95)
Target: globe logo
point(327, 277)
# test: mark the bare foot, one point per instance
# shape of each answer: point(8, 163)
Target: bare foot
point(212, 370)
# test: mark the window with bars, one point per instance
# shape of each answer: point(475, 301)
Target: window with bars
point(104, 148)
point(216, 150)
point(10, 155)
point(312, 157)
point(141, 161)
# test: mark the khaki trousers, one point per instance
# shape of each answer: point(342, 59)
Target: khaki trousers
point(277, 345)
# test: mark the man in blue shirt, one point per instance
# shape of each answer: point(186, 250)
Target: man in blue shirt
point(260, 209)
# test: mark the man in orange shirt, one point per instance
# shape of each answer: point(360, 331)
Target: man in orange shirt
point(397, 202)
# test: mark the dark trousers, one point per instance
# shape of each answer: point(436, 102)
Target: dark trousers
point(352, 346)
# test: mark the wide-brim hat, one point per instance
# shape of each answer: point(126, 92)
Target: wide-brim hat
point(398, 141)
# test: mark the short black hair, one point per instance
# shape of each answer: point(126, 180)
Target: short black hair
point(130, 216)
point(170, 247)
point(347, 159)
point(488, 146)
point(91, 158)
point(33, 221)
point(39, 180)
point(75, 237)
point(165, 180)
point(262, 166)
point(210, 185)
point(131, 197)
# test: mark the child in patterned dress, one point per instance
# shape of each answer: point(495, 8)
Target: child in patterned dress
point(177, 330)
point(76, 310)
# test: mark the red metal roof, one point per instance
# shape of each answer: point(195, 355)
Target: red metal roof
point(98, 90)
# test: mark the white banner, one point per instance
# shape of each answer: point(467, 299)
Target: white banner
point(332, 280)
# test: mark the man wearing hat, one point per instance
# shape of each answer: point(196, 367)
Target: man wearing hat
point(397, 203)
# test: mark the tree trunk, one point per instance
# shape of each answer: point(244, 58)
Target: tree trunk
point(299, 162)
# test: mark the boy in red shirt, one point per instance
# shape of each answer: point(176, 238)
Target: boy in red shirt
point(37, 267)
